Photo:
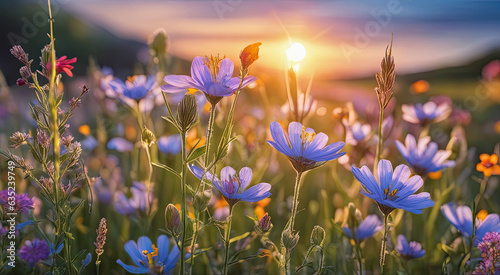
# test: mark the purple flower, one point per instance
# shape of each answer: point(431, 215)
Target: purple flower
point(367, 228)
point(170, 145)
point(461, 218)
point(427, 113)
point(304, 148)
point(393, 189)
point(357, 133)
point(138, 202)
point(490, 252)
point(412, 250)
point(136, 87)
point(212, 76)
point(234, 186)
point(423, 156)
point(23, 203)
point(120, 144)
point(149, 258)
point(34, 251)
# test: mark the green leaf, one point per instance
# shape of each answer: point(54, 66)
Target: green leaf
point(237, 238)
point(168, 169)
point(196, 153)
point(172, 120)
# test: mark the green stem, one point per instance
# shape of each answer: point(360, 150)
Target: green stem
point(183, 203)
point(380, 140)
point(227, 240)
point(481, 190)
point(292, 218)
point(383, 244)
point(357, 250)
point(210, 130)
point(193, 240)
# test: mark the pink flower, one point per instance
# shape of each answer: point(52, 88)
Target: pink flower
point(63, 65)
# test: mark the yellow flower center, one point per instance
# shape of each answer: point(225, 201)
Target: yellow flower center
point(306, 136)
point(213, 64)
point(482, 214)
point(151, 254)
point(391, 194)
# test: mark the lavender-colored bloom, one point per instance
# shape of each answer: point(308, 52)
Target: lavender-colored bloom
point(304, 148)
point(211, 76)
point(150, 258)
point(120, 145)
point(412, 250)
point(367, 228)
point(138, 201)
point(357, 133)
point(89, 143)
point(34, 251)
point(423, 156)
point(427, 113)
point(393, 189)
point(461, 218)
point(233, 187)
point(136, 87)
point(170, 145)
point(490, 252)
point(23, 202)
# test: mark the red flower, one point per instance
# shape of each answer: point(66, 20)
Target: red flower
point(249, 54)
point(63, 65)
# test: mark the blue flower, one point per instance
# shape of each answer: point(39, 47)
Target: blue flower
point(212, 76)
point(89, 143)
point(357, 133)
point(170, 145)
point(150, 258)
point(136, 87)
point(233, 187)
point(304, 148)
point(120, 145)
point(461, 218)
point(424, 156)
point(393, 189)
point(412, 250)
point(34, 251)
point(367, 228)
point(138, 201)
point(427, 113)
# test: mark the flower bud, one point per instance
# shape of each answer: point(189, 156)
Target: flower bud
point(201, 200)
point(248, 56)
point(20, 82)
point(187, 113)
point(264, 224)
point(289, 239)
point(147, 137)
point(172, 218)
point(45, 56)
point(25, 72)
point(317, 235)
point(352, 218)
point(159, 43)
point(18, 52)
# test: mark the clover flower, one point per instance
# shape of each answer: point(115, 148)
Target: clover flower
point(412, 250)
point(423, 156)
point(34, 251)
point(393, 189)
point(367, 228)
point(212, 76)
point(23, 202)
point(304, 148)
point(425, 114)
point(149, 258)
point(488, 165)
point(461, 218)
point(490, 252)
point(233, 187)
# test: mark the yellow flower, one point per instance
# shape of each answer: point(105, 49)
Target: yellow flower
point(488, 165)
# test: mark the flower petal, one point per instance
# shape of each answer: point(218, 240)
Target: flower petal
point(144, 243)
point(225, 70)
point(294, 135)
point(199, 72)
point(384, 172)
point(134, 252)
point(133, 269)
point(256, 193)
point(163, 245)
point(245, 176)
point(280, 142)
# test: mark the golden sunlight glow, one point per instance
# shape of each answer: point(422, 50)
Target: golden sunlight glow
point(296, 52)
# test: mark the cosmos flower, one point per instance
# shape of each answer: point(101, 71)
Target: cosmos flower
point(423, 156)
point(427, 113)
point(233, 187)
point(412, 250)
point(212, 76)
point(488, 165)
point(63, 65)
point(23, 202)
point(304, 148)
point(490, 252)
point(120, 144)
point(136, 87)
point(367, 228)
point(393, 189)
point(170, 145)
point(461, 218)
point(34, 251)
point(148, 257)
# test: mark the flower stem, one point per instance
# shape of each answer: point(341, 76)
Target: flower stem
point(227, 240)
point(210, 130)
point(292, 220)
point(183, 202)
point(383, 244)
point(380, 141)
point(481, 190)
point(193, 240)
point(357, 250)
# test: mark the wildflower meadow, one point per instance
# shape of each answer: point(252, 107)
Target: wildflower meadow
point(140, 161)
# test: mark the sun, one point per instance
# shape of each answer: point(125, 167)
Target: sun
point(296, 52)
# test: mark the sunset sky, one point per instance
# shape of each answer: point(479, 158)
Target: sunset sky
point(342, 38)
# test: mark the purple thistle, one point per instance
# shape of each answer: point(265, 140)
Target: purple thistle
point(23, 202)
point(34, 251)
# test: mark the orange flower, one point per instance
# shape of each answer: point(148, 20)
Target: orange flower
point(178, 206)
point(482, 214)
point(84, 130)
point(420, 86)
point(488, 165)
point(249, 54)
point(435, 175)
point(259, 208)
